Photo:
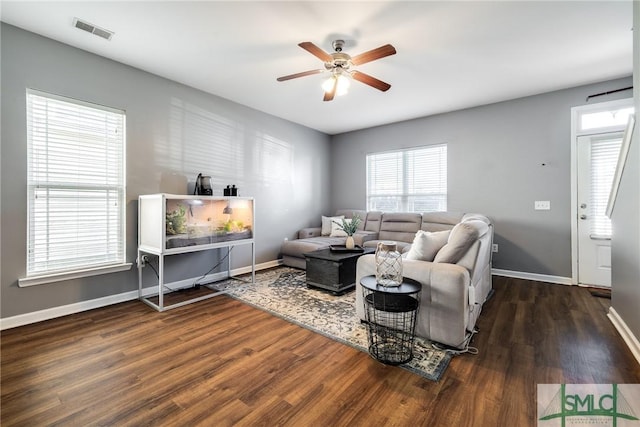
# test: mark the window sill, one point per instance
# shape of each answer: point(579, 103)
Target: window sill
point(51, 278)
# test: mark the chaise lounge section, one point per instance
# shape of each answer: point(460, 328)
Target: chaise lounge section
point(448, 253)
point(313, 238)
point(454, 269)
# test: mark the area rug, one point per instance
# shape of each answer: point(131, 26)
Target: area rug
point(283, 292)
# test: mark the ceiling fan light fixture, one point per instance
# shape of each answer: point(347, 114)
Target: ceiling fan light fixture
point(342, 86)
point(339, 65)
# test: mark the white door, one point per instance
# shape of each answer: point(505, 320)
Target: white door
point(597, 157)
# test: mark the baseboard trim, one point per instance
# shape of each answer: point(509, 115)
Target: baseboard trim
point(52, 313)
point(64, 310)
point(626, 334)
point(532, 276)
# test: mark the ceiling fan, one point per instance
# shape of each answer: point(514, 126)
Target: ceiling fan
point(339, 65)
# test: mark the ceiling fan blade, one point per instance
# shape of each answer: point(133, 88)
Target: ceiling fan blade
point(371, 81)
point(302, 74)
point(328, 96)
point(373, 54)
point(316, 51)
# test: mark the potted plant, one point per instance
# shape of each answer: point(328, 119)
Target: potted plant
point(349, 226)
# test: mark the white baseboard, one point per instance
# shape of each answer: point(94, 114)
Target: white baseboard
point(261, 266)
point(532, 276)
point(625, 333)
point(51, 313)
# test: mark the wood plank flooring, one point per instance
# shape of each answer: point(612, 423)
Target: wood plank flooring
point(220, 363)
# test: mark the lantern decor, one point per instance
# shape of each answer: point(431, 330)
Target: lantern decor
point(388, 264)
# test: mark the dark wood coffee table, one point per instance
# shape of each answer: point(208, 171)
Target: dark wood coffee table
point(333, 270)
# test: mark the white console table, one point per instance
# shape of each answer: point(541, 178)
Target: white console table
point(176, 224)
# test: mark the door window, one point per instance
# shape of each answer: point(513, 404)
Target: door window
point(604, 156)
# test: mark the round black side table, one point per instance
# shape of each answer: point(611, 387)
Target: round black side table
point(390, 314)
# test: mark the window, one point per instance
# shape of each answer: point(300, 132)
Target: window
point(76, 185)
point(413, 180)
point(604, 158)
point(604, 119)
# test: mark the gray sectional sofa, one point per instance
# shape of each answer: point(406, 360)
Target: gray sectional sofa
point(448, 253)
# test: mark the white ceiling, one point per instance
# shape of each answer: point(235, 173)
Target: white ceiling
point(451, 55)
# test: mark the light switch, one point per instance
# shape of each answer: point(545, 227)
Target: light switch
point(542, 205)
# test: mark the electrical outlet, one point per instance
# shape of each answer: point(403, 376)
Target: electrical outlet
point(144, 259)
point(494, 247)
point(542, 205)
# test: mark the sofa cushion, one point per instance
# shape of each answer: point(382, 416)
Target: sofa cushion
point(298, 247)
point(374, 218)
point(326, 223)
point(475, 217)
point(460, 240)
point(305, 233)
point(400, 227)
point(401, 246)
point(438, 221)
point(426, 245)
point(361, 237)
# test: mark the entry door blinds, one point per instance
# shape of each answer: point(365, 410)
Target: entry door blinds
point(604, 157)
point(412, 180)
point(75, 185)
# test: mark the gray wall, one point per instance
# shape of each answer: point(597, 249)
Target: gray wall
point(625, 244)
point(173, 132)
point(495, 157)
point(495, 167)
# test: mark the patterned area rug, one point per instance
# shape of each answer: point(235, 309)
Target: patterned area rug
point(283, 292)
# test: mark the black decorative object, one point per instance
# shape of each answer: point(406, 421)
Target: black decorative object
point(203, 186)
point(391, 313)
point(230, 191)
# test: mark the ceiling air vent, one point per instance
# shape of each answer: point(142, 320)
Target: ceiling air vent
point(90, 28)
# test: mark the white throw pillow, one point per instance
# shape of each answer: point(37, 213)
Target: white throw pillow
point(327, 222)
point(460, 240)
point(426, 244)
point(336, 229)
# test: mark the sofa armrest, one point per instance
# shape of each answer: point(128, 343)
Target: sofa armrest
point(361, 236)
point(444, 302)
point(309, 232)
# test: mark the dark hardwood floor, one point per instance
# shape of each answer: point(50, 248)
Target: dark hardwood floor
point(220, 362)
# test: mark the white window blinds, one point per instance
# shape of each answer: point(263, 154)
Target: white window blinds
point(604, 157)
point(412, 180)
point(76, 185)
